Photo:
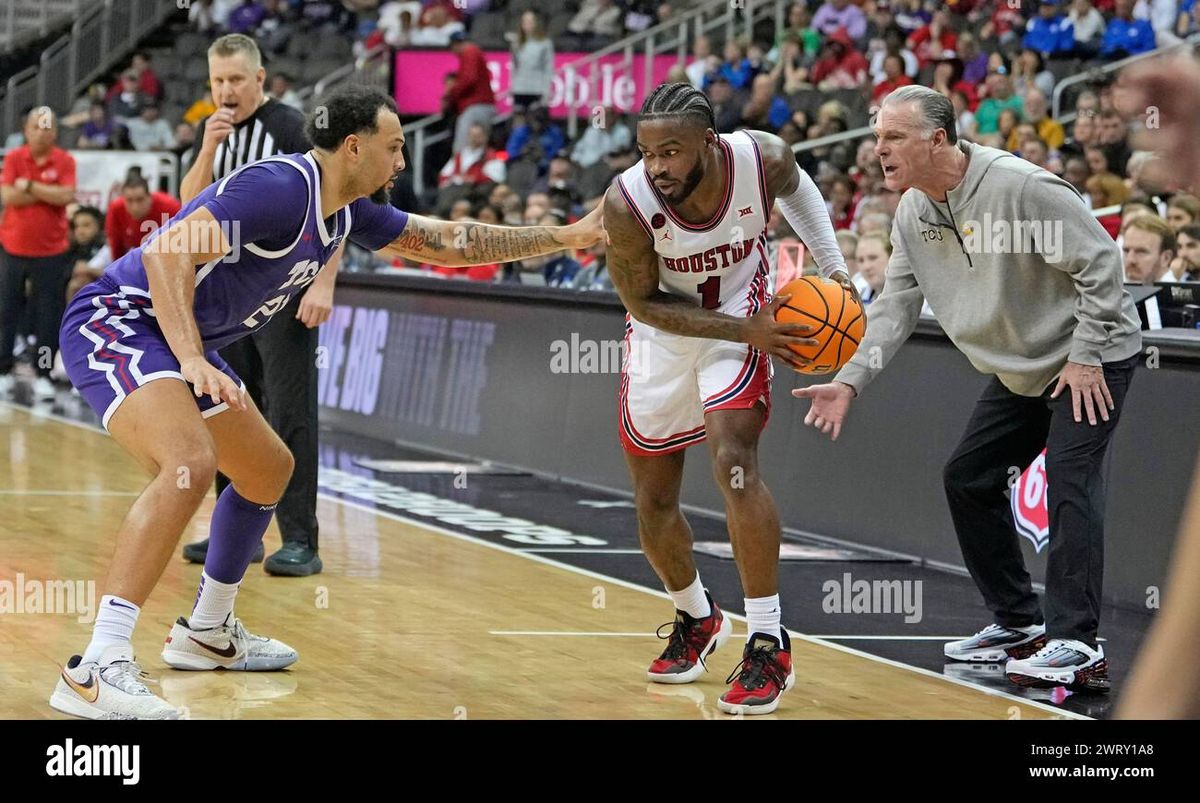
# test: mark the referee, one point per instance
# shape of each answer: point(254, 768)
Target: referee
point(1027, 284)
point(278, 362)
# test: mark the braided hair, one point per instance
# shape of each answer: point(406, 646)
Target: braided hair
point(678, 100)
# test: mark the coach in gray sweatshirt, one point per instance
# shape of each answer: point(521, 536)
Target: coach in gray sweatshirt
point(1028, 286)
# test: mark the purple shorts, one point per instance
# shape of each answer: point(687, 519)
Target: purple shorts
point(111, 346)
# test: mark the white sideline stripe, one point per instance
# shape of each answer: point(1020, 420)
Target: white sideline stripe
point(634, 587)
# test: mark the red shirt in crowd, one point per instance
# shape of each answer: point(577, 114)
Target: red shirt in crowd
point(125, 233)
point(919, 43)
point(887, 85)
point(39, 229)
point(473, 84)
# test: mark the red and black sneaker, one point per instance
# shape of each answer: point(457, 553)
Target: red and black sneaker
point(688, 644)
point(764, 675)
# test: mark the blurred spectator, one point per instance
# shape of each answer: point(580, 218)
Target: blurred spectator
point(281, 89)
point(148, 83)
point(454, 10)
point(947, 78)
point(1029, 72)
point(97, 132)
point(1136, 207)
point(532, 62)
point(703, 62)
point(893, 44)
point(910, 15)
point(1000, 97)
point(893, 78)
point(475, 165)
point(800, 28)
point(1006, 128)
point(1037, 113)
point(1087, 28)
point(274, 31)
point(1124, 35)
point(975, 61)
point(201, 109)
point(87, 252)
point(470, 97)
point(1035, 151)
point(1189, 19)
point(841, 201)
point(202, 16)
point(136, 213)
point(765, 109)
point(397, 20)
point(1186, 266)
point(963, 114)
point(640, 15)
point(872, 255)
point(124, 100)
point(840, 14)
point(790, 69)
point(555, 270)
point(1050, 32)
point(537, 140)
point(1183, 210)
point(246, 17)
point(1148, 248)
point(1076, 173)
point(1113, 135)
point(608, 135)
point(1098, 164)
point(36, 184)
point(727, 111)
point(841, 66)
point(930, 41)
point(595, 25)
point(1107, 190)
point(185, 138)
point(1162, 16)
point(148, 131)
point(737, 67)
point(438, 28)
point(1145, 175)
point(848, 244)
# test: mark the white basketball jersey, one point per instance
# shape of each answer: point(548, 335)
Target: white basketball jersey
point(721, 264)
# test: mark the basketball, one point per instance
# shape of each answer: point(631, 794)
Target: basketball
point(821, 302)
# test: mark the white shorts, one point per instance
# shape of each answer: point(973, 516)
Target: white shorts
point(670, 381)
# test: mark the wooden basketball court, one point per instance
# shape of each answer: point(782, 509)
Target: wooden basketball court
point(407, 621)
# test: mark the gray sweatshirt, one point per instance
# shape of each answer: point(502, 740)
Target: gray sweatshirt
point(1019, 274)
point(532, 68)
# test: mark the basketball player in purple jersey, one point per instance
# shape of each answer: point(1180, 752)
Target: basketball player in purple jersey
point(687, 255)
point(219, 270)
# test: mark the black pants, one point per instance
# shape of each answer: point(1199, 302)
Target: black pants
point(1007, 431)
point(48, 278)
point(278, 363)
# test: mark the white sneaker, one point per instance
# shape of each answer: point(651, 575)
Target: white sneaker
point(1062, 662)
point(6, 384)
point(59, 372)
point(43, 389)
point(112, 688)
point(997, 643)
point(228, 646)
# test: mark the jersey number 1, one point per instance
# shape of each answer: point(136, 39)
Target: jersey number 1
point(710, 292)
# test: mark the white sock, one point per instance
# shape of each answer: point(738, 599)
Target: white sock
point(692, 600)
point(762, 616)
point(214, 603)
point(114, 625)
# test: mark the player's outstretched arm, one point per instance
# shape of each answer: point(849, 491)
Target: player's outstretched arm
point(457, 244)
point(633, 267)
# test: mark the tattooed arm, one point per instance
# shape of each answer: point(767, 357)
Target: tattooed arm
point(456, 244)
point(633, 267)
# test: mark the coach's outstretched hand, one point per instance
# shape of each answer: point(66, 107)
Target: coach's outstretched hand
point(764, 333)
point(585, 232)
point(830, 404)
point(207, 379)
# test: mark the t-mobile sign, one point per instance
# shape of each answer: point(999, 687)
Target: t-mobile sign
point(420, 81)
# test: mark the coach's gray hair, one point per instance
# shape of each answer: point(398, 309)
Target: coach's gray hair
point(934, 110)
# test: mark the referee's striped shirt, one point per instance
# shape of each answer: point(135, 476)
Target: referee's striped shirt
point(273, 129)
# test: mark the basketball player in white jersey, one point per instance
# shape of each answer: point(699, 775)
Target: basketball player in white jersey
point(687, 227)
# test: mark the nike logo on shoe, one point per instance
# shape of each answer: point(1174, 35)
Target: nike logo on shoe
point(88, 691)
point(228, 652)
